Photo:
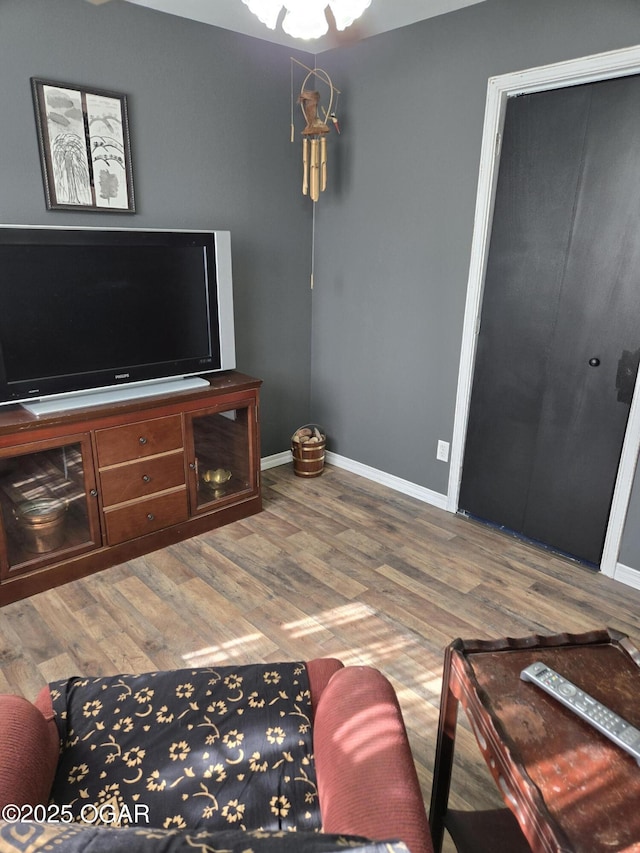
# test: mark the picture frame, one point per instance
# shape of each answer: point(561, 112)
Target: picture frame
point(85, 147)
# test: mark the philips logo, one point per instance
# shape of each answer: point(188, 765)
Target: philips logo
point(121, 376)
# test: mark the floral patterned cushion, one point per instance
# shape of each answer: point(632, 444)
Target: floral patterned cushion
point(221, 748)
point(31, 838)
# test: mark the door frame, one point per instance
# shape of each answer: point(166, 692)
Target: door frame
point(602, 66)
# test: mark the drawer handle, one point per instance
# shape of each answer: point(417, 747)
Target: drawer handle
point(146, 478)
point(142, 440)
point(150, 516)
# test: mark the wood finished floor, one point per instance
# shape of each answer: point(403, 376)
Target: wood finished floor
point(333, 566)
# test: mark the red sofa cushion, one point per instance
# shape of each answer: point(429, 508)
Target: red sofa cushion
point(367, 782)
point(319, 671)
point(29, 743)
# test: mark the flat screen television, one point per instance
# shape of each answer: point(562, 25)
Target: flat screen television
point(88, 314)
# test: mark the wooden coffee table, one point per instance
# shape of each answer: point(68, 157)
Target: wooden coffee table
point(567, 787)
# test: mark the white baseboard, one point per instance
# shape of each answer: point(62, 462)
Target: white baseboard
point(273, 461)
point(405, 486)
point(398, 484)
point(627, 575)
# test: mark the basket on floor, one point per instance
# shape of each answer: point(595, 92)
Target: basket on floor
point(308, 449)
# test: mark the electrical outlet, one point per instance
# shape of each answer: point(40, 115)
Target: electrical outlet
point(443, 451)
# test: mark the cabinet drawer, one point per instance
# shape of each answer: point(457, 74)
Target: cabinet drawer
point(144, 477)
point(145, 516)
point(134, 441)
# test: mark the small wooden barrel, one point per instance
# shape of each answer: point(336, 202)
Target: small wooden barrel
point(308, 459)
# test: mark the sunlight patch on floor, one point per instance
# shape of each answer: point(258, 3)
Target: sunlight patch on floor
point(224, 653)
point(374, 653)
point(416, 707)
point(432, 685)
point(329, 618)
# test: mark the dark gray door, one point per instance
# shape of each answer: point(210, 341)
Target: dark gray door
point(560, 321)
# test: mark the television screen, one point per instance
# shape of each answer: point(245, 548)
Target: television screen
point(85, 308)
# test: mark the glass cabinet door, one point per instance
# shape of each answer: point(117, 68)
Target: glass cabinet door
point(223, 456)
point(47, 504)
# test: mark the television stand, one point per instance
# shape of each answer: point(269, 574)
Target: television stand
point(113, 394)
point(86, 489)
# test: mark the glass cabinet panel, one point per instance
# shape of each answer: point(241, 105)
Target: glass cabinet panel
point(222, 443)
point(44, 504)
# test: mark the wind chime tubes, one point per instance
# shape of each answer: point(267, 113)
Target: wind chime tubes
point(314, 147)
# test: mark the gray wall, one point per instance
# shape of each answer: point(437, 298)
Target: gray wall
point(209, 115)
point(394, 232)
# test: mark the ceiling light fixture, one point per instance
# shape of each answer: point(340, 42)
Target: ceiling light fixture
point(306, 19)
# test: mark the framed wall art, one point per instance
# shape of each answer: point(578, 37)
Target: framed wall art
point(85, 148)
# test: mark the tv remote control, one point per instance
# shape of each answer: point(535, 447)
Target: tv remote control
point(585, 706)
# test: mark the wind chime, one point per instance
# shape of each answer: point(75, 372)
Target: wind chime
point(314, 135)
